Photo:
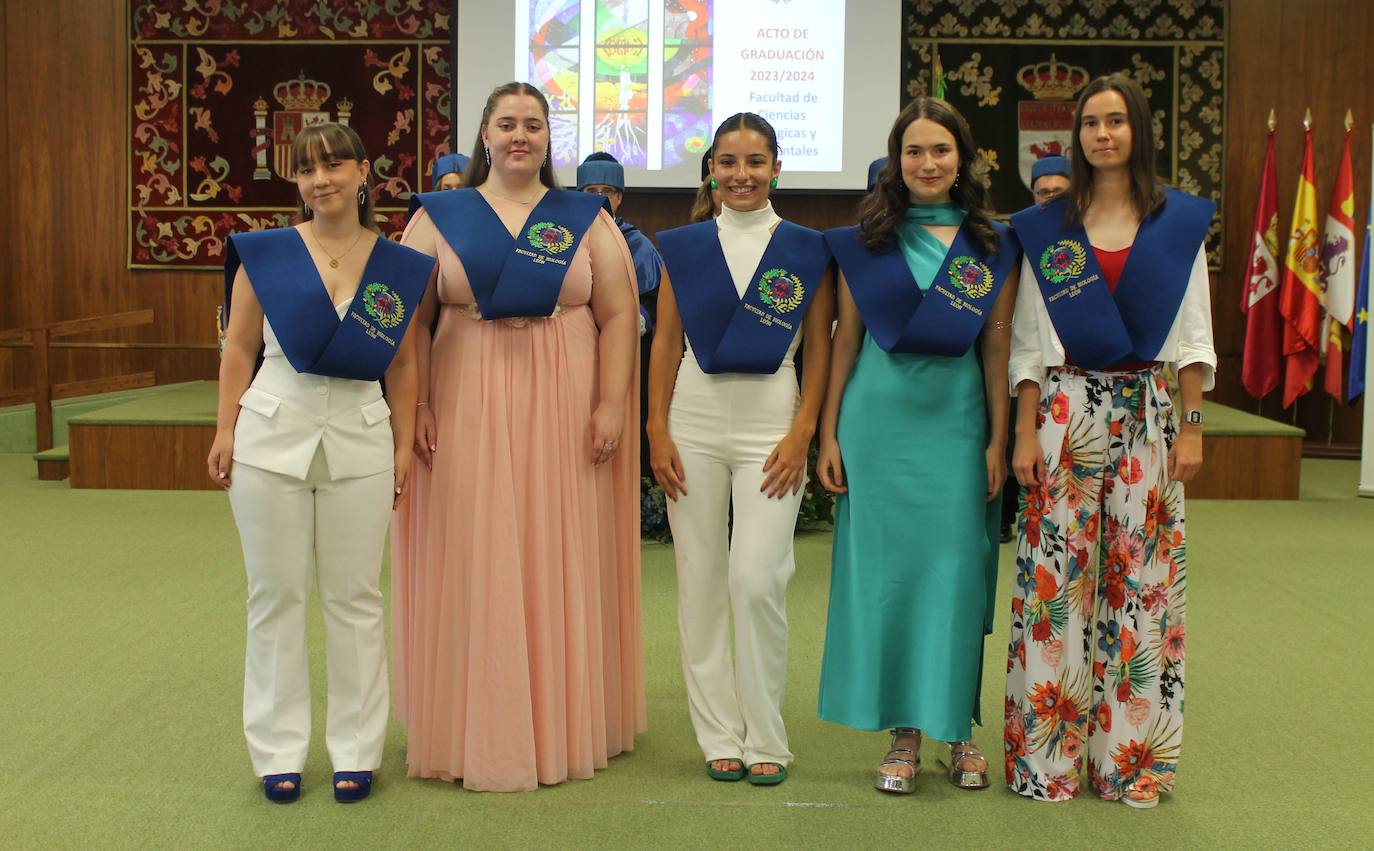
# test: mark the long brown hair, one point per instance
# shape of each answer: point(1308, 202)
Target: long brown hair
point(478, 164)
point(1146, 189)
point(883, 208)
point(703, 205)
point(332, 141)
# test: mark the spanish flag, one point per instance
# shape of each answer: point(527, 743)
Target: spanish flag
point(1338, 273)
point(1300, 299)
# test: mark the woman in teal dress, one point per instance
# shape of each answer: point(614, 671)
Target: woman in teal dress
point(913, 439)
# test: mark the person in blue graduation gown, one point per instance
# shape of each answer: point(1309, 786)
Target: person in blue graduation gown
point(601, 174)
point(449, 172)
point(913, 440)
point(314, 456)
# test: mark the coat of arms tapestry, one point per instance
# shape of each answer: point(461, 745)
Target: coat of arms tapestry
point(218, 90)
point(1014, 68)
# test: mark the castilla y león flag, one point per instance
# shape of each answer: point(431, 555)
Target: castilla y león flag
point(1300, 299)
point(1338, 272)
point(1259, 301)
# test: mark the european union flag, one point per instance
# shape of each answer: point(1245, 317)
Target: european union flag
point(1359, 339)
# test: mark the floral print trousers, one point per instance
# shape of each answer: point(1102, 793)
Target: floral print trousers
point(1095, 663)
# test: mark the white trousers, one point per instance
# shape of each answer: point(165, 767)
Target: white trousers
point(333, 532)
point(725, 427)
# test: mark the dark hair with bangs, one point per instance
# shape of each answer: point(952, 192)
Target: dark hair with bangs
point(1147, 192)
point(322, 142)
point(479, 166)
point(884, 207)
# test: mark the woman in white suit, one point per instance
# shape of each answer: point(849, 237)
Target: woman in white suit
point(317, 456)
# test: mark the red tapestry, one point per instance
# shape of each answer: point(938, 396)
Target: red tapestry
point(219, 88)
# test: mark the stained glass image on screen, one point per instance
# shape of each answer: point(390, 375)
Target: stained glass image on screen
point(622, 80)
point(555, 33)
point(629, 77)
point(686, 80)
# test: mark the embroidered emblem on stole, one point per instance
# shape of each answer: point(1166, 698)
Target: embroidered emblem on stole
point(384, 305)
point(781, 290)
point(970, 277)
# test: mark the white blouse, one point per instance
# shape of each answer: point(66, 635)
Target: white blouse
point(1035, 347)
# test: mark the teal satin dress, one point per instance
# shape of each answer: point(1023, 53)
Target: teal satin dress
point(914, 567)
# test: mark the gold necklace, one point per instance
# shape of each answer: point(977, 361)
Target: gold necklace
point(334, 261)
point(527, 202)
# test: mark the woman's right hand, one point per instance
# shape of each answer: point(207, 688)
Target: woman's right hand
point(667, 466)
point(830, 467)
point(1028, 462)
point(426, 435)
point(221, 458)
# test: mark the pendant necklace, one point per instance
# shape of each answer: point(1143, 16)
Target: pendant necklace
point(334, 261)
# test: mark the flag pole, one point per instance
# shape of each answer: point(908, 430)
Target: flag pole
point(1306, 127)
point(1366, 487)
point(1273, 125)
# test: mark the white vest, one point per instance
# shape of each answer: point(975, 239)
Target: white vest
point(285, 415)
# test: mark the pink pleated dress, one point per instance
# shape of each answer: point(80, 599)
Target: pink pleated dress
point(517, 645)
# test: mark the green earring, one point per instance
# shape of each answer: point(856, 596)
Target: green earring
point(773, 184)
point(713, 184)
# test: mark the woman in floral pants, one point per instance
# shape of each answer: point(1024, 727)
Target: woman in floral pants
point(1096, 658)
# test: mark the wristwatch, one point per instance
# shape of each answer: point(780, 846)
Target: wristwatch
point(1193, 417)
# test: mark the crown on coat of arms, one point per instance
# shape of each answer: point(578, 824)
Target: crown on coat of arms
point(301, 93)
point(1052, 80)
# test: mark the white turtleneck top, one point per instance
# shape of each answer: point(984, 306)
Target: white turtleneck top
point(743, 239)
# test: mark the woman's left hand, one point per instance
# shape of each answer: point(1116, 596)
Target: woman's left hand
point(997, 471)
point(608, 421)
point(1185, 459)
point(402, 475)
point(785, 469)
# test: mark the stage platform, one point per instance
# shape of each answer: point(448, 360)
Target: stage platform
point(1247, 457)
point(158, 439)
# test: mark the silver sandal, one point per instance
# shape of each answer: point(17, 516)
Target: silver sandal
point(894, 783)
point(958, 752)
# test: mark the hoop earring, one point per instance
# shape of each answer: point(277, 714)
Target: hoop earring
point(714, 185)
point(773, 184)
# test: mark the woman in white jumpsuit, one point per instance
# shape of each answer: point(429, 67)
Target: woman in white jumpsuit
point(728, 429)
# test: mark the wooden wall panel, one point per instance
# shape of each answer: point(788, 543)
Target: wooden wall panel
point(65, 75)
point(7, 319)
point(64, 126)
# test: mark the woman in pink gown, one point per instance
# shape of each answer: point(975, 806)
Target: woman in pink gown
point(518, 658)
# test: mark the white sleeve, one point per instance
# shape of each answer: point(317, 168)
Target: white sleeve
point(1195, 323)
point(1027, 362)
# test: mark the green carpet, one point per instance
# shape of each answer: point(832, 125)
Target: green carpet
point(123, 618)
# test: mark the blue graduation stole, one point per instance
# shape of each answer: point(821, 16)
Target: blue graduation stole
point(752, 333)
point(1099, 328)
point(943, 321)
point(520, 275)
point(295, 301)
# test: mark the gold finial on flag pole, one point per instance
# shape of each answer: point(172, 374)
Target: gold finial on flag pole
point(1349, 120)
point(1307, 119)
point(1272, 124)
